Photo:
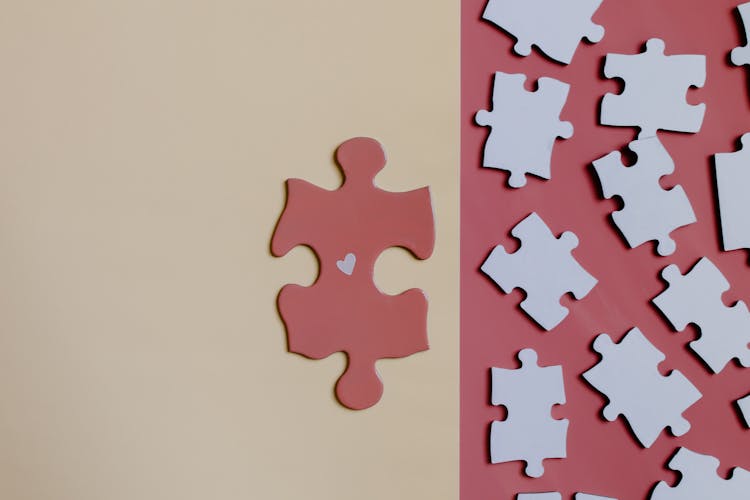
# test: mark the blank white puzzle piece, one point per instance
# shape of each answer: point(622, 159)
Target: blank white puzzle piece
point(628, 376)
point(586, 496)
point(529, 433)
point(543, 267)
point(741, 55)
point(744, 406)
point(655, 88)
point(524, 126)
point(696, 298)
point(699, 480)
point(650, 212)
point(732, 184)
point(555, 26)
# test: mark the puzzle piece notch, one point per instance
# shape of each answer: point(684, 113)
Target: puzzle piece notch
point(627, 374)
point(555, 27)
point(650, 212)
point(343, 311)
point(696, 298)
point(744, 405)
point(543, 267)
point(529, 433)
point(523, 126)
point(732, 180)
point(741, 55)
point(655, 90)
point(700, 481)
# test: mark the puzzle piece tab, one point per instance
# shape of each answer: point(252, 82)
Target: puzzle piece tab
point(543, 267)
point(732, 183)
point(556, 27)
point(655, 88)
point(529, 433)
point(524, 126)
point(696, 298)
point(628, 376)
point(348, 229)
point(699, 480)
point(741, 55)
point(650, 212)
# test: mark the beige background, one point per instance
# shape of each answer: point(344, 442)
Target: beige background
point(143, 148)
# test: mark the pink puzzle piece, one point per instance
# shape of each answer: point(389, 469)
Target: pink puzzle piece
point(343, 310)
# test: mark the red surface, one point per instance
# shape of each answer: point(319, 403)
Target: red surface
point(341, 312)
point(603, 458)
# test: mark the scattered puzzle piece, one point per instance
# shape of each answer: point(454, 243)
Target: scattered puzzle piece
point(524, 126)
point(744, 406)
point(628, 376)
point(655, 88)
point(586, 496)
point(543, 267)
point(529, 433)
point(696, 298)
point(699, 480)
point(650, 212)
point(741, 55)
point(732, 183)
point(556, 27)
point(348, 229)
point(539, 496)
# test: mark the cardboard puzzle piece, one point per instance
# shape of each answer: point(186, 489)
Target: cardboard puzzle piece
point(655, 89)
point(732, 183)
point(539, 496)
point(741, 55)
point(556, 27)
point(586, 496)
point(650, 212)
point(649, 401)
point(744, 405)
point(523, 126)
point(543, 267)
point(529, 433)
point(696, 298)
point(699, 480)
point(348, 229)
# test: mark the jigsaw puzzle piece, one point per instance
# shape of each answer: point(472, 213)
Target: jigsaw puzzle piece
point(552, 495)
point(699, 480)
point(529, 433)
point(732, 183)
point(543, 267)
point(586, 496)
point(523, 126)
point(744, 405)
point(650, 212)
point(741, 55)
point(343, 311)
point(556, 27)
point(627, 374)
point(696, 298)
point(655, 89)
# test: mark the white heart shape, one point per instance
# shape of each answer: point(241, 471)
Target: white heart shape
point(346, 266)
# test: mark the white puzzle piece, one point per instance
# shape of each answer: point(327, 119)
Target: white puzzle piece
point(523, 126)
point(741, 55)
point(699, 480)
point(696, 298)
point(732, 183)
point(543, 267)
point(628, 376)
point(655, 88)
point(586, 496)
point(529, 433)
point(744, 406)
point(539, 496)
point(556, 27)
point(650, 212)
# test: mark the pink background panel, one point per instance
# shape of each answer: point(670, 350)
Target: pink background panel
point(603, 458)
